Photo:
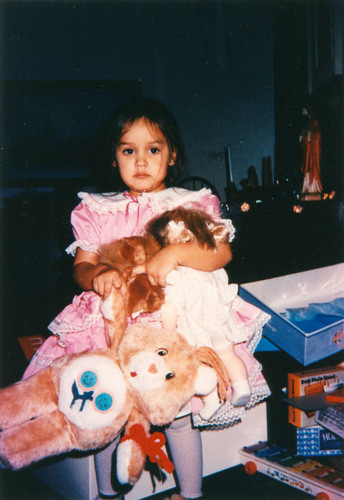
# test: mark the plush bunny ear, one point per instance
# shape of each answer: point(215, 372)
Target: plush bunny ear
point(209, 357)
point(115, 314)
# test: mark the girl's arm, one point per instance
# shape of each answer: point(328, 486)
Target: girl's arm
point(90, 275)
point(184, 254)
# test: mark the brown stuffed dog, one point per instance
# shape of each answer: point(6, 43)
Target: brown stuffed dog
point(84, 401)
point(123, 255)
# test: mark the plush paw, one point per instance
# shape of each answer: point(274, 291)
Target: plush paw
point(124, 454)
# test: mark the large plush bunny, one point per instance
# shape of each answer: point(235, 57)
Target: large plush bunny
point(84, 401)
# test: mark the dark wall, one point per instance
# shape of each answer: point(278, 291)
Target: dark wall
point(211, 62)
point(298, 84)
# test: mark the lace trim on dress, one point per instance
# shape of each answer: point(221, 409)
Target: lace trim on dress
point(230, 227)
point(58, 328)
point(256, 326)
point(42, 360)
point(84, 245)
point(228, 414)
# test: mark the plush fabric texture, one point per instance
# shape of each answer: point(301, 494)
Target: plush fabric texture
point(83, 401)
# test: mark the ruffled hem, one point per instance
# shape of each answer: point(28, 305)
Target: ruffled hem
point(78, 316)
point(228, 415)
point(230, 227)
point(256, 327)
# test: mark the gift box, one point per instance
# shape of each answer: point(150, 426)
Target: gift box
point(310, 383)
point(307, 311)
point(318, 441)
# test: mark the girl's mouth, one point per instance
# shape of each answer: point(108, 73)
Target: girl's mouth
point(141, 176)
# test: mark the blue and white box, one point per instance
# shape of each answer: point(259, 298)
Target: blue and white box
point(307, 311)
point(318, 441)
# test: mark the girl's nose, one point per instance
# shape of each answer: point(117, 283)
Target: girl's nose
point(141, 159)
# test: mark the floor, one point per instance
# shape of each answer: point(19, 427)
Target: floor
point(233, 484)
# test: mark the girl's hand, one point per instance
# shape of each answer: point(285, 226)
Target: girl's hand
point(90, 275)
point(158, 266)
point(103, 282)
point(184, 254)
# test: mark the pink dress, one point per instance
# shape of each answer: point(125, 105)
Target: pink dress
point(102, 218)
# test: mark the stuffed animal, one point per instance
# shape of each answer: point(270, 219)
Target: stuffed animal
point(123, 255)
point(83, 401)
point(202, 304)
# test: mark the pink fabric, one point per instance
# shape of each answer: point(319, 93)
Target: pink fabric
point(244, 311)
point(80, 326)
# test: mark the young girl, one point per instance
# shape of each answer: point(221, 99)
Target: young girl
point(146, 146)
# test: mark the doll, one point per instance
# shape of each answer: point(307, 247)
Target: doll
point(202, 304)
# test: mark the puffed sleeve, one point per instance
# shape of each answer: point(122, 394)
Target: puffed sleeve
point(211, 205)
point(86, 229)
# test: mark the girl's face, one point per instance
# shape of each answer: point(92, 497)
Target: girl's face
point(143, 158)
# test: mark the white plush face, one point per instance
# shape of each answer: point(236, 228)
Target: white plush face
point(162, 370)
point(148, 370)
point(92, 392)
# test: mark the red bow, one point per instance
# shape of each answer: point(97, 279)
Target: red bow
point(151, 446)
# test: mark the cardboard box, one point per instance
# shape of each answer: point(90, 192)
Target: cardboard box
point(299, 290)
point(309, 382)
point(318, 441)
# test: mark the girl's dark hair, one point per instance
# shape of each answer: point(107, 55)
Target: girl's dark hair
point(157, 114)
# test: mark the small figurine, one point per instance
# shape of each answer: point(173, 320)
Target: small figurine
point(310, 140)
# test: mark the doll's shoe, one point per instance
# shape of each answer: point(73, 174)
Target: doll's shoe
point(241, 393)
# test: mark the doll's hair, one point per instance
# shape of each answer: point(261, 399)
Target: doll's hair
point(156, 114)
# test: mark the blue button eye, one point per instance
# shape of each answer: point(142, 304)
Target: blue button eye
point(88, 379)
point(103, 401)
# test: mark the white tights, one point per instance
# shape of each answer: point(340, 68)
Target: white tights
point(185, 445)
point(103, 466)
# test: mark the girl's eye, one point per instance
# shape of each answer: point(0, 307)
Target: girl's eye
point(169, 375)
point(128, 151)
point(161, 352)
point(154, 151)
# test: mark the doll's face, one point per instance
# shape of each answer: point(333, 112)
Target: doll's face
point(143, 158)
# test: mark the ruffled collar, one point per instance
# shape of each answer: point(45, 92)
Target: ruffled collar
point(167, 199)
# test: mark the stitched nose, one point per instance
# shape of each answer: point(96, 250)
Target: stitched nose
point(153, 368)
